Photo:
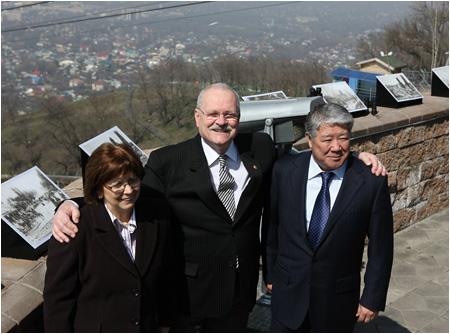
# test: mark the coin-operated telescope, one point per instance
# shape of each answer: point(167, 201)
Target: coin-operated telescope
point(275, 117)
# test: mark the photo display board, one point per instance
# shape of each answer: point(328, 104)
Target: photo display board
point(114, 136)
point(341, 94)
point(396, 91)
point(28, 204)
point(266, 96)
point(439, 81)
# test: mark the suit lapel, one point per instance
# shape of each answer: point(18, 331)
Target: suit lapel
point(201, 179)
point(254, 170)
point(146, 240)
point(297, 185)
point(111, 241)
point(350, 186)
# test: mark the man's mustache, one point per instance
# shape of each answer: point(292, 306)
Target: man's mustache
point(218, 127)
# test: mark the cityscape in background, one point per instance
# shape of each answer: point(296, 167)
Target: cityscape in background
point(107, 42)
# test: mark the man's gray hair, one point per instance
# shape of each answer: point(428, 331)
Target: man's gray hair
point(219, 85)
point(328, 113)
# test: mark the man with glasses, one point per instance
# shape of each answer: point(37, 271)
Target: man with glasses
point(217, 184)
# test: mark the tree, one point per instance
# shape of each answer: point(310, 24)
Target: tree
point(421, 41)
point(173, 90)
point(227, 69)
point(433, 17)
point(99, 111)
point(68, 129)
point(28, 143)
point(10, 106)
point(144, 91)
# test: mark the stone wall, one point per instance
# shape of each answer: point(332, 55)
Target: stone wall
point(417, 160)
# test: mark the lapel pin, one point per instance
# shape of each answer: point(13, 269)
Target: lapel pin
point(254, 167)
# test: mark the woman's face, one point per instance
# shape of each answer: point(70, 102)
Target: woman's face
point(120, 194)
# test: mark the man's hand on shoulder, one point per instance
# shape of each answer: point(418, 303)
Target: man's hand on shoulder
point(372, 160)
point(63, 221)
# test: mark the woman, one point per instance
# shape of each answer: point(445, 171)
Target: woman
point(113, 277)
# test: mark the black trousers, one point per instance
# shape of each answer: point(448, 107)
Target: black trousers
point(306, 327)
point(278, 327)
point(235, 321)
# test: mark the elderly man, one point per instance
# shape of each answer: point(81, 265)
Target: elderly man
point(324, 204)
point(217, 184)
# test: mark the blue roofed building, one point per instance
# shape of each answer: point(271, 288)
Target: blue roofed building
point(364, 84)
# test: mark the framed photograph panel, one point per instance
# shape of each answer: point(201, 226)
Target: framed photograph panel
point(114, 136)
point(28, 204)
point(266, 96)
point(340, 93)
point(439, 81)
point(395, 90)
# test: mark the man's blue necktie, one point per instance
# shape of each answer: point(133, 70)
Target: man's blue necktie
point(320, 212)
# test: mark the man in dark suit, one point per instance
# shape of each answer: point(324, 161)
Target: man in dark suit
point(217, 235)
point(324, 204)
point(220, 250)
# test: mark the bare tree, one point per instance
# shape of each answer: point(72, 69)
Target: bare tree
point(137, 129)
point(10, 106)
point(227, 69)
point(421, 41)
point(179, 88)
point(100, 112)
point(159, 84)
point(433, 17)
point(25, 146)
point(144, 89)
point(173, 90)
point(68, 130)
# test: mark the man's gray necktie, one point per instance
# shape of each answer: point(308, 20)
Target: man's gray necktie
point(320, 212)
point(226, 187)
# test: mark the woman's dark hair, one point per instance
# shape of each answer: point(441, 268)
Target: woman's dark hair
point(105, 163)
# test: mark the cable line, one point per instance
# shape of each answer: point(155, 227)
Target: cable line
point(29, 5)
point(102, 17)
point(174, 19)
point(91, 14)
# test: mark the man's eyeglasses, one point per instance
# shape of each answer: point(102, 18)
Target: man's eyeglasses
point(133, 182)
point(212, 116)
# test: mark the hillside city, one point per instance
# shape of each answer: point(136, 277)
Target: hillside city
point(68, 63)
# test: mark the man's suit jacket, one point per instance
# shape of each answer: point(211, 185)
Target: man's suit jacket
point(92, 285)
point(206, 238)
point(327, 281)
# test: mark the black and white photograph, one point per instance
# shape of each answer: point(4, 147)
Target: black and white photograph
point(266, 96)
point(399, 86)
point(442, 74)
point(340, 93)
point(28, 204)
point(114, 136)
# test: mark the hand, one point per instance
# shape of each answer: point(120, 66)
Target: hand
point(370, 159)
point(365, 315)
point(163, 329)
point(62, 225)
point(269, 287)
